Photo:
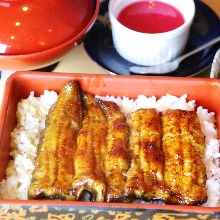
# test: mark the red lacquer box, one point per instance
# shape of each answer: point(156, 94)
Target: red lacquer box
point(205, 91)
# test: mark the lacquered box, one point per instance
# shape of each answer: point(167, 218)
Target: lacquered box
point(205, 91)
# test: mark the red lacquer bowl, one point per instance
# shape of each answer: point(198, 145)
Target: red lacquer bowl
point(35, 34)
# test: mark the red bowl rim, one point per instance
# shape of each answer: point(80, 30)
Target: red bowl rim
point(71, 41)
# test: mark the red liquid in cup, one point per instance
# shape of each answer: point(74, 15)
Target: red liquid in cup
point(151, 17)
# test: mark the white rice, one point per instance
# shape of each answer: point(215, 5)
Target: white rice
point(31, 114)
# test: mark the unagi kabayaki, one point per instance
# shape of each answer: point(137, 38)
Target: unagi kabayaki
point(91, 151)
point(88, 145)
point(145, 176)
point(117, 159)
point(183, 147)
point(54, 171)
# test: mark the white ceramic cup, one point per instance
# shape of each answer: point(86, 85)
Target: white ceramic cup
point(150, 49)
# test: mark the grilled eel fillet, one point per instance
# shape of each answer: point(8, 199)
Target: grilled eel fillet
point(117, 159)
point(183, 146)
point(91, 150)
point(54, 171)
point(145, 176)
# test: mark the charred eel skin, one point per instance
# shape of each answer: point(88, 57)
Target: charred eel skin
point(54, 170)
point(117, 159)
point(91, 151)
point(183, 147)
point(145, 177)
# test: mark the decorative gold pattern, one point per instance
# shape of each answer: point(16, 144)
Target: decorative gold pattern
point(21, 212)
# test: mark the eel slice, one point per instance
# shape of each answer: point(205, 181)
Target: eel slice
point(145, 176)
point(117, 159)
point(91, 150)
point(54, 171)
point(183, 146)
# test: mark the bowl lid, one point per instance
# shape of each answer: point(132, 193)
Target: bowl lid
point(29, 26)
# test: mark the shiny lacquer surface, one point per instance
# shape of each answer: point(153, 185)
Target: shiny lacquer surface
point(33, 26)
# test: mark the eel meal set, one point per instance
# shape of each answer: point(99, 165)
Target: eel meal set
point(90, 147)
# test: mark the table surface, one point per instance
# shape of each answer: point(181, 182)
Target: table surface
point(77, 61)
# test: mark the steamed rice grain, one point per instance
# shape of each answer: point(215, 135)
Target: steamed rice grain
point(31, 115)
